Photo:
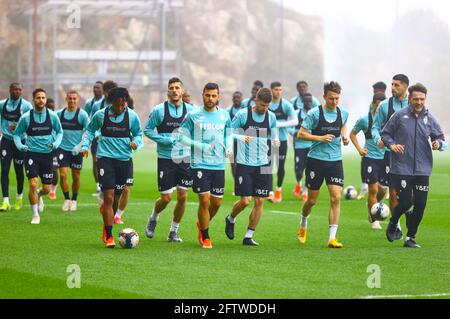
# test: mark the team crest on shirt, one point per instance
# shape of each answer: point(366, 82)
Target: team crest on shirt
point(241, 179)
point(30, 162)
point(312, 174)
point(369, 169)
point(388, 169)
point(425, 119)
point(3, 152)
point(61, 156)
point(161, 174)
point(199, 174)
point(297, 159)
point(403, 183)
point(101, 172)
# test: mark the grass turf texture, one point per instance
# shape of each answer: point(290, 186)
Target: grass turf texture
point(34, 258)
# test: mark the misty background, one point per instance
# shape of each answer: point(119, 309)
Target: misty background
point(141, 44)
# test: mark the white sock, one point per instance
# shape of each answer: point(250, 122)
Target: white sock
point(278, 189)
point(231, 219)
point(53, 188)
point(34, 208)
point(98, 187)
point(154, 215)
point(304, 221)
point(333, 231)
point(408, 238)
point(174, 227)
point(6, 200)
point(119, 213)
point(19, 196)
point(364, 187)
point(249, 233)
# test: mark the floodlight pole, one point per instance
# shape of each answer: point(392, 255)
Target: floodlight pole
point(162, 44)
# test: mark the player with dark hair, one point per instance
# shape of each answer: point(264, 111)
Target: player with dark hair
point(372, 169)
point(298, 101)
point(407, 134)
point(233, 110)
point(207, 132)
point(44, 134)
point(251, 100)
point(286, 117)
point(379, 87)
point(120, 135)
point(173, 158)
point(327, 125)
point(74, 122)
point(11, 109)
point(98, 96)
point(255, 129)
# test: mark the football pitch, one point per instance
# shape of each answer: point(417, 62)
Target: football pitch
point(35, 259)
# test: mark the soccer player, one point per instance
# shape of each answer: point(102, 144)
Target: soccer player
point(373, 171)
point(11, 110)
point(385, 110)
point(207, 131)
point(327, 125)
point(120, 134)
point(44, 134)
point(233, 110)
point(255, 128)
point(379, 87)
point(74, 122)
point(286, 117)
point(52, 195)
point(251, 100)
point(173, 157)
point(407, 135)
point(301, 147)
point(186, 96)
point(298, 101)
point(98, 96)
point(99, 105)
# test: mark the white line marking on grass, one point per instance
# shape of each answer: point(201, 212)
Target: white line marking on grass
point(405, 296)
point(283, 212)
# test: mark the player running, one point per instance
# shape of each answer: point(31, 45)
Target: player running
point(257, 85)
point(207, 131)
point(11, 110)
point(233, 110)
point(74, 122)
point(298, 101)
point(44, 134)
point(173, 158)
point(327, 125)
point(373, 171)
point(255, 128)
point(286, 117)
point(120, 134)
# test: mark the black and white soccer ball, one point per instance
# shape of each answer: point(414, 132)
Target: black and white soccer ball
point(380, 211)
point(350, 192)
point(128, 238)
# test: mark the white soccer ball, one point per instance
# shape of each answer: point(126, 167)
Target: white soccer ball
point(380, 211)
point(128, 238)
point(350, 192)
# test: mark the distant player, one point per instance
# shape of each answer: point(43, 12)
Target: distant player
point(173, 158)
point(298, 101)
point(255, 129)
point(251, 100)
point(11, 110)
point(373, 170)
point(74, 122)
point(233, 110)
point(44, 134)
point(286, 117)
point(120, 134)
point(408, 134)
point(52, 195)
point(207, 131)
point(327, 125)
point(301, 147)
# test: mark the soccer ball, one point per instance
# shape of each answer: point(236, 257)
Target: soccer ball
point(350, 192)
point(128, 238)
point(380, 211)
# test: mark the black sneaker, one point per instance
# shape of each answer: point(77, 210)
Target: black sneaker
point(411, 243)
point(390, 231)
point(249, 242)
point(229, 228)
point(398, 235)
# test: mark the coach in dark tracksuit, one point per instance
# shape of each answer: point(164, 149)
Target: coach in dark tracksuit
point(407, 135)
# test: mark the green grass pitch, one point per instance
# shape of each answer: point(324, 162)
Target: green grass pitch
point(34, 258)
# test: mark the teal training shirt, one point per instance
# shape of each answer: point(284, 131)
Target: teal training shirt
point(324, 151)
point(113, 147)
point(208, 134)
point(256, 152)
point(72, 138)
point(375, 152)
point(168, 146)
point(39, 144)
point(381, 116)
point(298, 143)
point(12, 106)
point(289, 111)
point(297, 102)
